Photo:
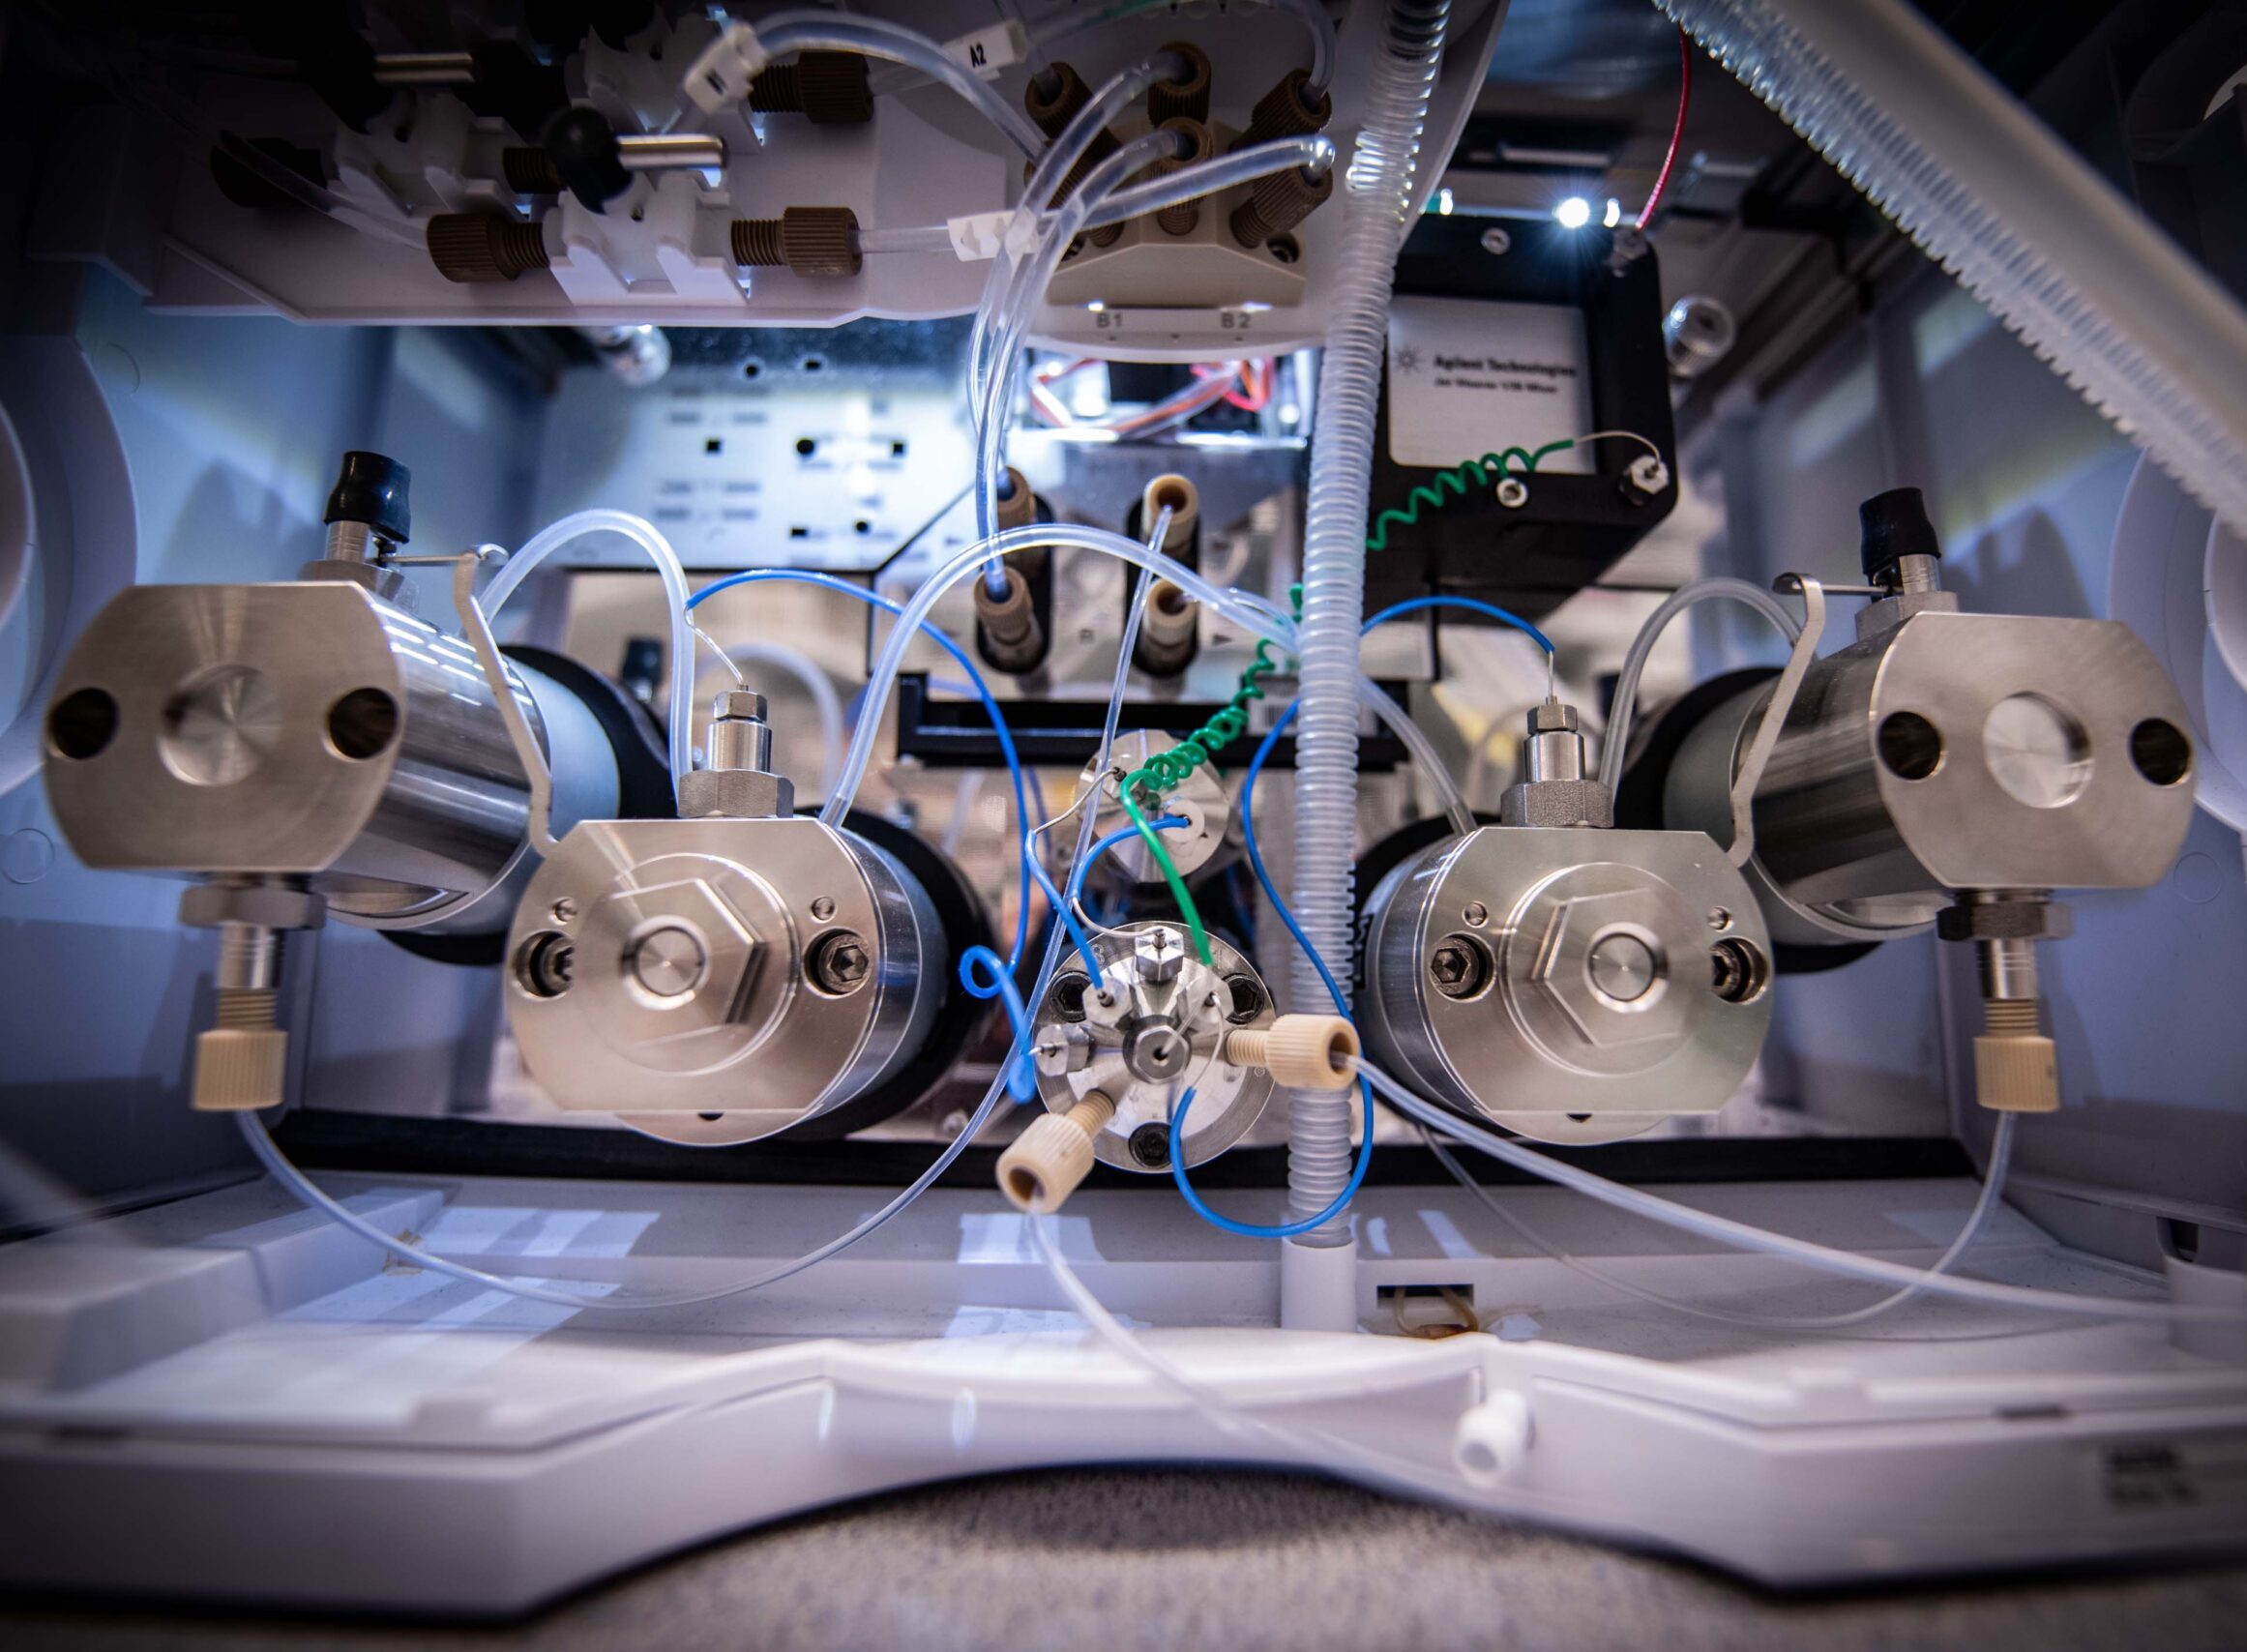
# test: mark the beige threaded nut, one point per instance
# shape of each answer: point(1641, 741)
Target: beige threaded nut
point(1184, 501)
point(2016, 1068)
point(242, 1063)
point(1043, 1164)
point(1303, 1052)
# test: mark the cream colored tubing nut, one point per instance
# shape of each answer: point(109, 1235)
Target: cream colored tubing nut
point(1302, 1052)
point(1046, 1161)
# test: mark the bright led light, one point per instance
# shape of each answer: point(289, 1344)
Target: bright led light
point(1615, 213)
point(1573, 213)
point(1443, 202)
point(1096, 307)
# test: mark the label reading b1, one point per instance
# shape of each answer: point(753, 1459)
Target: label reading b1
point(1468, 377)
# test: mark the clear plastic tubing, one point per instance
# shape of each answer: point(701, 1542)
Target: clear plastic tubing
point(1094, 203)
point(2025, 224)
point(871, 36)
point(1242, 610)
point(825, 701)
point(649, 538)
point(1065, 150)
point(1742, 1236)
point(1067, 21)
point(1024, 292)
point(1615, 744)
point(1314, 153)
point(1379, 198)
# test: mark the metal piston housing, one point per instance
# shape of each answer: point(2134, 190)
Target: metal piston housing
point(717, 980)
point(1572, 983)
point(308, 730)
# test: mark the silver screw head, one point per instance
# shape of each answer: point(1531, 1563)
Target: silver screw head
point(1497, 242)
point(1477, 914)
point(823, 908)
point(668, 963)
point(564, 910)
point(1513, 493)
point(1623, 967)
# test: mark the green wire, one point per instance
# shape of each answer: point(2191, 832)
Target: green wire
point(1455, 483)
point(1165, 769)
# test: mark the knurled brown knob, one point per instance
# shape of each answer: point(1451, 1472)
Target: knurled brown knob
point(1278, 202)
point(480, 246)
point(1053, 97)
point(529, 170)
point(1188, 95)
point(828, 88)
point(810, 241)
point(1180, 219)
point(1289, 109)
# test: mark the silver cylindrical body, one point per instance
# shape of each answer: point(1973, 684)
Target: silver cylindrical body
point(1572, 983)
point(308, 729)
point(717, 980)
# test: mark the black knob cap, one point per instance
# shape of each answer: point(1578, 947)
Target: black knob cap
point(582, 146)
point(515, 87)
point(1894, 525)
point(372, 489)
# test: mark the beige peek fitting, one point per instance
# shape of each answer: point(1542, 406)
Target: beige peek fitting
point(1301, 1052)
point(1046, 1161)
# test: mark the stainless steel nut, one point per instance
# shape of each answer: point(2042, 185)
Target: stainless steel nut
point(2005, 921)
point(730, 954)
point(737, 794)
point(276, 906)
point(1557, 803)
point(1070, 1050)
point(1549, 717)
point(1159, 952)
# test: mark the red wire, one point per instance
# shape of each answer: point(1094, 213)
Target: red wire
point(1676, 133)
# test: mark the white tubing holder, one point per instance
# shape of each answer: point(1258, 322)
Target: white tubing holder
point(1775, 710)
point(538, 817)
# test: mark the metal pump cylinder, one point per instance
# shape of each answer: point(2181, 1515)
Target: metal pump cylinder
point(716, 980)
point(310, 730)
point(1572, 983)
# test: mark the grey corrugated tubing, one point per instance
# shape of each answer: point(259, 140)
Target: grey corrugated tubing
point(1378, 199)
point(2026, 226)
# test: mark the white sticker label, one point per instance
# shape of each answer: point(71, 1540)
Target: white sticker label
point(1468, 377)
point(988, 50)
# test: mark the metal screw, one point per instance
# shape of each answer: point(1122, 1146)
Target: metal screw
point(823, 908)
point(1512, 493)
point(1448, 966)
point(841, 963)
point(1497, 242)
point(1477, 914)
point(1149, 1145)
point(564, 910)
point(1719, 918)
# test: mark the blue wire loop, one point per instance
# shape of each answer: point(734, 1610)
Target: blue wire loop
point(999, 721)
point(1248, 813)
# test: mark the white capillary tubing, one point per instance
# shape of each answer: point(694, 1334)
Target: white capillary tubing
point(1379, 198)
point(785, 32)
point(650, 539)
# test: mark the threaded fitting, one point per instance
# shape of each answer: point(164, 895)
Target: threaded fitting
point(2016, 1067)
point(1278, 202)
point(1188, 95)
point(1289, 109)
point(810, 241)
point(480, 246)
point(1307, 1052)
point(1180, 219)
point(242, 1063)
point(1018, 508)
point(1178, 495)
point(1011, 639)
point(1053, 97)
point(828, 88)
point(530, 171)
point(1043, 1164)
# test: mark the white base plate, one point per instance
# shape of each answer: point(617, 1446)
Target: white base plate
point(228, 1398)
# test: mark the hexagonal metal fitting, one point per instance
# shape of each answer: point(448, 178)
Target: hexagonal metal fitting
point(1159, 952)
point(735, 794)
point(1557, 803)
point(1552, 717)
point(273, 906)
point(2005, 921)
point(1069, 1051)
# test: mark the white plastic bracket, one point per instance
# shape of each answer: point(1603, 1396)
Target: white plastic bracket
point(719, 77)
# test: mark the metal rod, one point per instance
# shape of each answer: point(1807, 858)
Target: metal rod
point(423, 69)
point(663, 152)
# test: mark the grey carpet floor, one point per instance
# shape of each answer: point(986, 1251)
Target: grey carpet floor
point(1124, 1560)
